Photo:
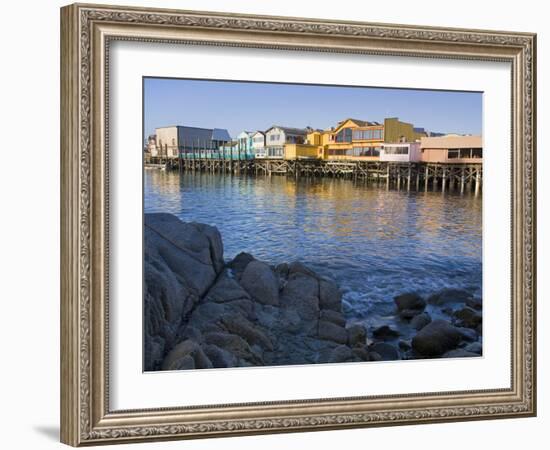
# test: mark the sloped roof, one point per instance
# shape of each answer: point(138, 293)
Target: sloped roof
point(291, 130)
point(220, 134)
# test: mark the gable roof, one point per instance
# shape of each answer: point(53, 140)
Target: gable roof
point(290, 130)
point(357, 122)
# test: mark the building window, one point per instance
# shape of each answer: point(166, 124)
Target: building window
point(344, 135)
point(404, 150)
point(477, 153)
point(453, 153)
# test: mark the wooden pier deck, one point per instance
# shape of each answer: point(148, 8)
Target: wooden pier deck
point(416, 176)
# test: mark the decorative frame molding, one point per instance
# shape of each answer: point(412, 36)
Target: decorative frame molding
point(86, 32)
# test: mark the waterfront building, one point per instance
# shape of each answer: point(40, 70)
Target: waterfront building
point(400, 152)
point(258, 144)
point(277, 136)
point(176, 140)
point(452, 148)
point(354, 139)
point(245, 142)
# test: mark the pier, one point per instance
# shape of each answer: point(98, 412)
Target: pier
point(402, 175)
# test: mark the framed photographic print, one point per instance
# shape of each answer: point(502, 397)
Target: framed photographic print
point(278, 224)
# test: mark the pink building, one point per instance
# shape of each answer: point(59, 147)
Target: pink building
point(452, 148)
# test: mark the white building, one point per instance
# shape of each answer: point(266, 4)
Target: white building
point(400, 152)
point(258, 144)
point(276, 138)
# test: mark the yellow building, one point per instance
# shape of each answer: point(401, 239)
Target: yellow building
point(397, 131)
point(354, 139)
point(362, 140)
point(303, 151)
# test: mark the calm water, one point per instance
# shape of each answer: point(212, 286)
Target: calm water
point(375, 243)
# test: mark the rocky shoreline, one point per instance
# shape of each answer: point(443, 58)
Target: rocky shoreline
point(201, 312)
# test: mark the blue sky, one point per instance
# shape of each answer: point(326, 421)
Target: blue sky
point(239, 106)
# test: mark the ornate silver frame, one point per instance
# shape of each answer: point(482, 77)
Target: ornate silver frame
point(86, 32)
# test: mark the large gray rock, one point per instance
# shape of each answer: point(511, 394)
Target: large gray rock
point(261, 283)
point(332, 332)
point(420, 321)
point(409, 305)
point(468, 317)
point(200, 314)
point(342, 353)
point(357, 335)
point(239, 263)
point(333, 316)
point(330, 296)
point(239, 325)
point(436, 338)
point(385, 332)
point(181, 261)
point(386, 351)
point(181, 355)
point(300, 294)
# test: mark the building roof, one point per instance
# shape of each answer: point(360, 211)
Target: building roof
point(216, 134)
point(358, 122)
point(220, 134)
point(291, 130)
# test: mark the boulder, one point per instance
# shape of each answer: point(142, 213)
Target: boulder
point(467, 334)
point(282, 270)
point(234, 344)
point(330, 296)
point(373, 356)
point(468, 317)
point(332, 332)
point(261, 283)
point(298, 267)
point(404, 345)
point(181, 261)
point(333, 316)
point(361, 353)
point(239, 263)
point(449, 295)
point(181, 355)
point(385, 333)
point(342, 353)
point(239, 325)
point(436, 338)
point(300, 293)
point(357, 335)
point(386, 351)
point(219, 357)
point(409, 305)
point(420, 321)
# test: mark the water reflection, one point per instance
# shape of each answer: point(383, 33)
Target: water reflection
point(374, 242)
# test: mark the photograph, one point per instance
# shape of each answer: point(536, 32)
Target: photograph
point(295, 224)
